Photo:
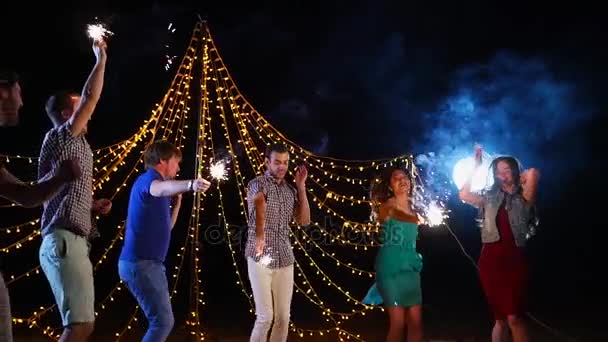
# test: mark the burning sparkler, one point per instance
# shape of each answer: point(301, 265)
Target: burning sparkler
point(434, 214)
point(266, 259)
point(219, 170)
point(429, 200)
point(98, 32)
point(169, 58)
point(467, 167)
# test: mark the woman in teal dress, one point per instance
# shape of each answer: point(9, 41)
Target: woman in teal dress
point(398, 264)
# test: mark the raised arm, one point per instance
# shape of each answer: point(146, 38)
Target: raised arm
point(91, 91)
point(302, 210)
point(529, 183)
point(465, 193)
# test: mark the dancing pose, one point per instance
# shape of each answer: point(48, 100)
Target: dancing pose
point(150, 220)
point(67, 226)
point(17, 191)
point(398, 264)
point(506, 212)
point(273, 204)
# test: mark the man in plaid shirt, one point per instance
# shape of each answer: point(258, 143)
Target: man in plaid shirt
point(273, 204)
point(17, 191)
point(67, 219)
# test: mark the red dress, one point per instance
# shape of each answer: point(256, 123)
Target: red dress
point(503, 271)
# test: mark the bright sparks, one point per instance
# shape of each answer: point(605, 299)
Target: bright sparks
point(435, 214)
point(465, 169)
point(265, 260)
point(218, 170)
point(98, 32)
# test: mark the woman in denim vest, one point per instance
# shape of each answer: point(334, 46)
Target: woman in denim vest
point(507, 210)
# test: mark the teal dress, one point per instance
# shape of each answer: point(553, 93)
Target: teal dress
point(398, 267)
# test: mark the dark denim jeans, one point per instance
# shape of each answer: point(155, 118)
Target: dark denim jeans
point(147, 281)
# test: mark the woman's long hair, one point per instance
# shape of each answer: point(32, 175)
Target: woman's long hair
point(515, 170)
point(380, 190)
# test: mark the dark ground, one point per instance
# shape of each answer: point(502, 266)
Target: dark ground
point(440, 326)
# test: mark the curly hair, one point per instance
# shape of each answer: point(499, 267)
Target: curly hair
point(380, 190)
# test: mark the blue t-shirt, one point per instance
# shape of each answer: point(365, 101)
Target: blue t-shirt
point(148, 227)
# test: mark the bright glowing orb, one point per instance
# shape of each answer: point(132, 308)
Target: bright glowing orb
point(481, 178)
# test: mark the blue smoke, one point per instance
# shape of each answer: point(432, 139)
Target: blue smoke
point(394, 92)
point(511, 105)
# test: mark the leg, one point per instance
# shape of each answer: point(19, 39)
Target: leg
point(260, 279)
point(282, 291)
point(6, 327)
point(397, 317)
point(518, 328)
point(500, 332)
point(64, 258)
point(414, 324)
point(147, 282)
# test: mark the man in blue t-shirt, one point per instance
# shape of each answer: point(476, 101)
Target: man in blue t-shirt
point(150, 220)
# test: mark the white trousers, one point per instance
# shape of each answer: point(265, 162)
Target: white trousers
point(272, 292)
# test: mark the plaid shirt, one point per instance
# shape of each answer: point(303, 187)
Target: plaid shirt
point(71, 207)
point(280, 204)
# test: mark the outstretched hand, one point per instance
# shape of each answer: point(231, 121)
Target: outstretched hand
point(200, 185)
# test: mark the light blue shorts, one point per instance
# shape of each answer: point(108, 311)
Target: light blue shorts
point(64, 258)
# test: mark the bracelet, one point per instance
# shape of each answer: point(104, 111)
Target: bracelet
point(190, 184)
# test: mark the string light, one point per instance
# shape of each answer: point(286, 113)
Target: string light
point(256, 162)
point(321, 203)
point(19, 244)
point(192, 231)
point(230, 111)
point(17, 228)
point(338, 262)
point(118, 152)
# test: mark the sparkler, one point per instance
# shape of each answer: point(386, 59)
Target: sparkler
point(465, 168)
point(429, 200)
point(434, 214)
point(98, 32)
point(266, 259)
point(168, 57)
point(218, 170)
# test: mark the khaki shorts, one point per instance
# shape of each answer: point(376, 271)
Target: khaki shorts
point(64, 258)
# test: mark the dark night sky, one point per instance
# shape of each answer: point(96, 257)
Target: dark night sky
point(367, 79)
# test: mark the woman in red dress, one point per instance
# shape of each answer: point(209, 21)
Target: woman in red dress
point(503, 271)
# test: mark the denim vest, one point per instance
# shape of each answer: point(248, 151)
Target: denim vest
point(522, 218)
